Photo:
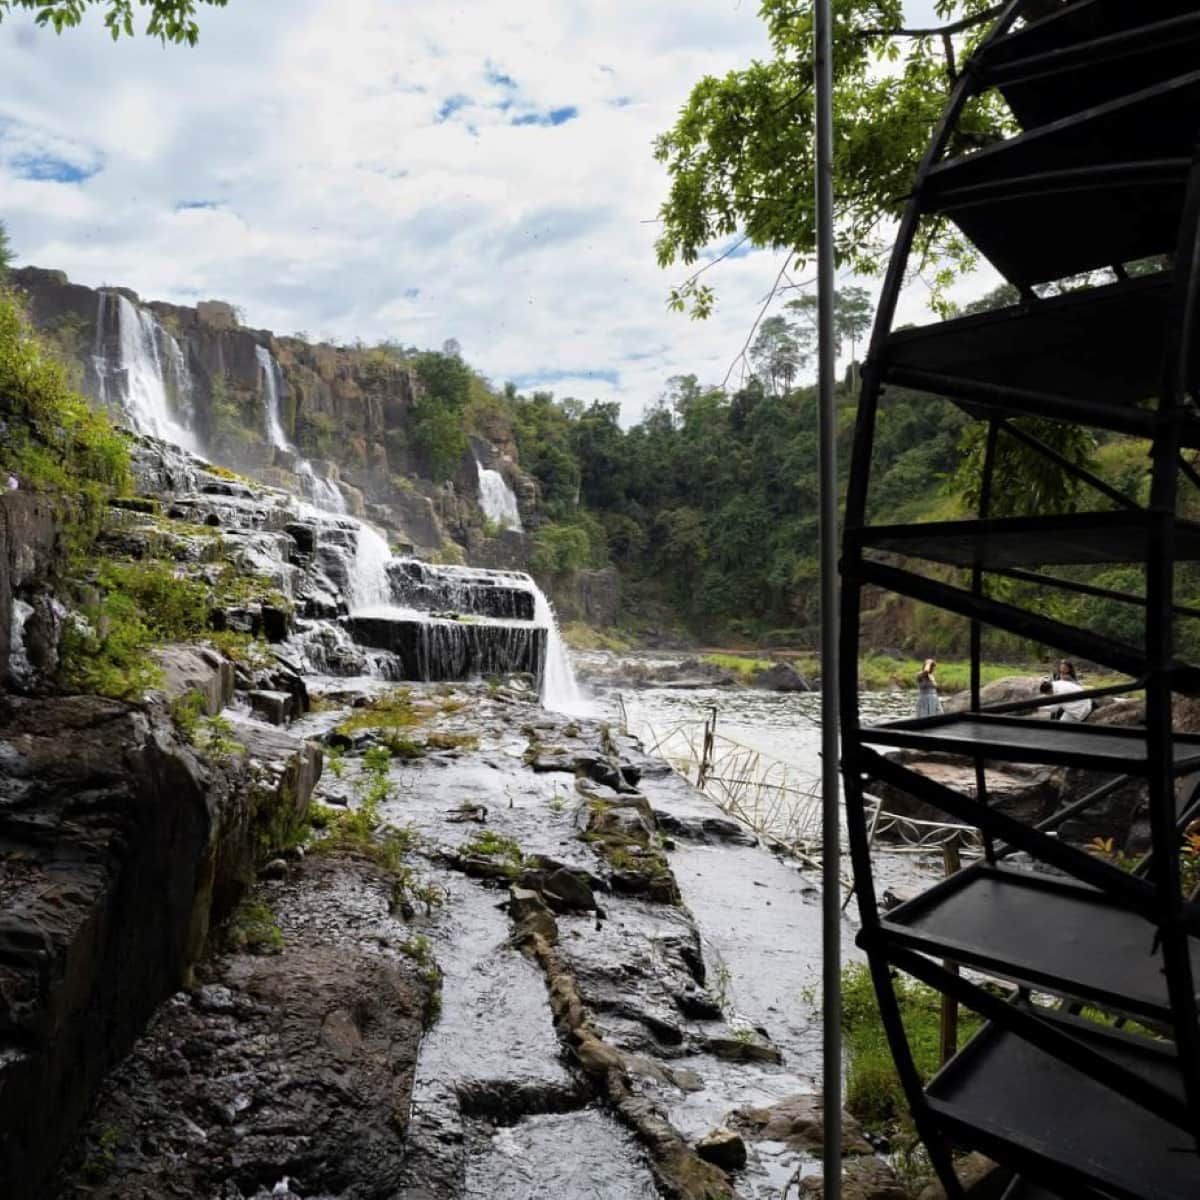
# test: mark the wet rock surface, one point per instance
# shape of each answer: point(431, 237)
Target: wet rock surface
point(587, 1038)
point(106, 815)
point(294, 1066)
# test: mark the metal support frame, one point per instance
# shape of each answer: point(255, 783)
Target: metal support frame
point(1154, 757)
point(831, 836)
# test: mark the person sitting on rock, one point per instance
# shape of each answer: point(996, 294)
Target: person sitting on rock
point(1070, 710)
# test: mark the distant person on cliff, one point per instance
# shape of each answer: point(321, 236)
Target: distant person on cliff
point(928, 702)
point(1069, 710)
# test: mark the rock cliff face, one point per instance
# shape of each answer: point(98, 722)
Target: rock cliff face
point(30, 561)
point(330, 422)
point(120, 846)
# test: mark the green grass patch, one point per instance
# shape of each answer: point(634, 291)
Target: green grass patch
point(252, 926)
point(129, 607)
point(873, 1091)
point(581, 636)
point(489, 844)
point(396, 710)
point(742, 665)
point(242, 648)
point(883, 672)
point(53, 441)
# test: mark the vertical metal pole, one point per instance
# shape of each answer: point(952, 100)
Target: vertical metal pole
point(831, 909)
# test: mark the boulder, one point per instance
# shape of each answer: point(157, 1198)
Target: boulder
point(1118, 815)
point(723, 1148)
point(272, 707)
point(980, 1177)
point(107, 818)
point(198, 669)
point(1000, 691)
point(780, 677)
point(797, 1121)
point(565, 889)
point(1029, 793)
point(862, 1179)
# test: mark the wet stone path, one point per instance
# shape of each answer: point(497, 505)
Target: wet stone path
point(611, 973)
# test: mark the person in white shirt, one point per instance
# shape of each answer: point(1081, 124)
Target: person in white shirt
point(1069, 710)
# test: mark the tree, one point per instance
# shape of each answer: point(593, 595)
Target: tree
point(6, 252)
point(777, 354)
point(168, 20)
point(438, 434)
point(740, 157)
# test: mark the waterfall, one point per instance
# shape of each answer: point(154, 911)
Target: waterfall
point(270, 389)
point(141, 371)
point(496, 498)
point(324, 493)
point(369, 582)
point(560, 689)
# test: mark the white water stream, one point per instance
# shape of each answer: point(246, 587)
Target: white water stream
point(141, 370)
point(560, 689)
point(370, 587)
point(324, 493)
point(497, 499)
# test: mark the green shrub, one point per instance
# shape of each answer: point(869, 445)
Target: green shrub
point(873, 1091)
point(396, 710)
point(488, 844)
point(131, 605)
point(53, 440)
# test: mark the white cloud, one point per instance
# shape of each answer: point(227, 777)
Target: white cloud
point(295, 164)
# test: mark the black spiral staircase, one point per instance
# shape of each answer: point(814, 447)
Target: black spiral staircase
point(1085, 1077)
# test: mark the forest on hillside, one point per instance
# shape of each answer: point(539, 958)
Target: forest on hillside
point(707, 505)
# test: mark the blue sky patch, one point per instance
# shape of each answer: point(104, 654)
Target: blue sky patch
point(451, 105)
point(556, 116)
point(51, 169)
point(542, 378)
point(494, 75)
point(411, 293)
point(184, 205)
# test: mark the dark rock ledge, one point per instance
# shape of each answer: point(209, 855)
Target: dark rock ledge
point(119, 846)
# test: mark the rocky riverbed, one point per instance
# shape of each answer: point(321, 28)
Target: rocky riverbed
point(531, 1000)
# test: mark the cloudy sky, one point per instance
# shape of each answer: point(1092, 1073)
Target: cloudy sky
point(389, 169)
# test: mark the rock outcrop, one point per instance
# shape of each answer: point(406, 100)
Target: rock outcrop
point(346, 414)
point(119, 845)
point(31, 558)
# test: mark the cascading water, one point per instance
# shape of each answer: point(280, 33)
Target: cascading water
point(271, 390)
point(497, 499)
point(560, 688)
point(369, 582)
point(141, 371)
point(324, 493)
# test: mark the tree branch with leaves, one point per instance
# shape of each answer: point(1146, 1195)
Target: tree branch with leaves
point(167, 20)
point(740, 156)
